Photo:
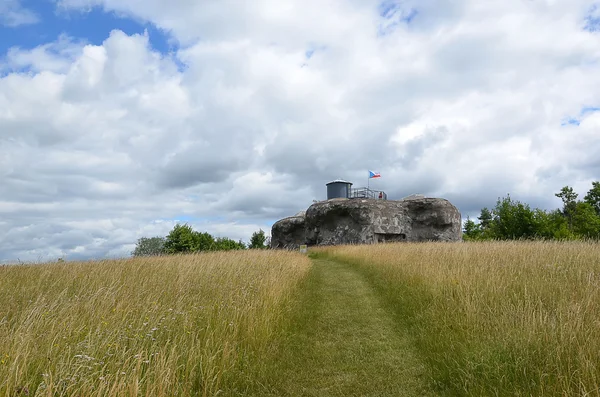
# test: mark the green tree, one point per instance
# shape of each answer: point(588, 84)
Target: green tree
point(512, 220)
point(149, 246)
point(226, 244)
point(593, 197)
point(485, 218)
point(471, 230)
point(542, 224)
point(205, 242)
point(258, 240)
point(568, 197)
point(182, 239)
point(586, 222)
point(551, 225)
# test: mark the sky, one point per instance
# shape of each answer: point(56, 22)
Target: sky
point(121, 118)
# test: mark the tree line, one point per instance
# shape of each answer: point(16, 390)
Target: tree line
point(183, 239)
point(511, 219)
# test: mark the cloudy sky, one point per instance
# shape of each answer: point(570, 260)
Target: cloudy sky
point(119, 118)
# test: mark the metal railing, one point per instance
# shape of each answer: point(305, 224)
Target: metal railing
point(364, 192)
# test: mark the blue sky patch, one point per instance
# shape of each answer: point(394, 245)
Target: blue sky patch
point(570, 121)
point(576, 121)
point(184, 218)
point(387, 9)
point(93, 26)
point(589, 109)
point(313, 48)
point(592, 19)
point(310, 52)
point(394, 15)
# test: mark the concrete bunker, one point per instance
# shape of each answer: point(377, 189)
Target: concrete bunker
point(366, 216)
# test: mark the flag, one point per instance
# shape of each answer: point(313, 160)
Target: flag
point(374, 174)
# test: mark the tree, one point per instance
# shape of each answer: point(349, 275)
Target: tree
point(512, 220)
point(586, 222)
point(225, 244)
point(258, 240)
point(485, 218)
point(471, 230)
point(151, 246)
point(568, 197)
point(593, 197)
point(205, 242)
point(551, 225)
point(182, 239)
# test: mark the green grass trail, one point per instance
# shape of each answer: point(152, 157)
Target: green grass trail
point(343, 341)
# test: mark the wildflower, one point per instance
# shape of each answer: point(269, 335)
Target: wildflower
point(84, 357)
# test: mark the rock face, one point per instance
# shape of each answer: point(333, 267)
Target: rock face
point(367, 221)
point(288, 233)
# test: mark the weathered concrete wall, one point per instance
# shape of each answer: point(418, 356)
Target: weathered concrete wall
point(366, 221)
point(434, 219)
point(288, 233)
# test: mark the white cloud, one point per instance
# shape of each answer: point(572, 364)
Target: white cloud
point(13, 14)
point(54, 57)
point(105, 144)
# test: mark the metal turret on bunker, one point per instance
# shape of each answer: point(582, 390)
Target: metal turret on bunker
point(366, 216)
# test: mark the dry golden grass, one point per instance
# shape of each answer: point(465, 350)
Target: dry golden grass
point(495, 318)
point(188, 325)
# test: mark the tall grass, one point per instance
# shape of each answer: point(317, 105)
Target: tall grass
point(188, 325)
point(495, 318)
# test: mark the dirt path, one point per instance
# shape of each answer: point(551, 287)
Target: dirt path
point(343, 342)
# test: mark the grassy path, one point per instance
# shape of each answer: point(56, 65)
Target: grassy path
point(344, 342)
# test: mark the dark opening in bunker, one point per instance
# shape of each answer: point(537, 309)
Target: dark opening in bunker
point(390, 237)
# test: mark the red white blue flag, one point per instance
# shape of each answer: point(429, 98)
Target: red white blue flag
point(374, 174)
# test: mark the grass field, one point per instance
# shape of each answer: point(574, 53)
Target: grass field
point(494, 319)
point(190, 325)
point(463, 319)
